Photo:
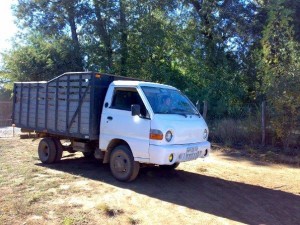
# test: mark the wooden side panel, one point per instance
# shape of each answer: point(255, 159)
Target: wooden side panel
point(69, 105)
point(29, 105)
point(41, 107)
point(17, 97)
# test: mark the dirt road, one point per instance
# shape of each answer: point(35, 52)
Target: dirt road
point(224, 189)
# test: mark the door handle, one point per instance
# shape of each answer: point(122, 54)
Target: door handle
point(109, 118)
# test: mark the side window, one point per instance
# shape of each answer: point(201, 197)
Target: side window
point(124, 98)
point(121, 100)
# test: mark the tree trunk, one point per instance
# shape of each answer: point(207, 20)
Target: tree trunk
point(73, 29)
point(198, 5)
point(71, 20)
point(123, 30)
point(104, 35)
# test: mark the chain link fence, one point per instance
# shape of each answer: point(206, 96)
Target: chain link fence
point(5, 113)
point(239, 128)
point(6, 128)
point(283, 125)
point(8, 132)
point(252, 124)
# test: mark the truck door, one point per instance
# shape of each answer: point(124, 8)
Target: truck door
point(118, 123)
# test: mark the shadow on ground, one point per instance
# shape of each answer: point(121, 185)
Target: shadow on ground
point(258, 156)
point(232, 200)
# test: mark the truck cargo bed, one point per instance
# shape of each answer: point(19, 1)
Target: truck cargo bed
point(69, 105)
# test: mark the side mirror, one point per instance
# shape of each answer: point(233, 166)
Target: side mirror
point(135, 110)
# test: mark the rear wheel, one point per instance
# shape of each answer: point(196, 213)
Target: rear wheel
point(47, 150)
point(122, 164)
point(88, 155)
point(59, 149)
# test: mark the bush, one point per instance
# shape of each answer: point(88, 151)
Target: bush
point(236, 131)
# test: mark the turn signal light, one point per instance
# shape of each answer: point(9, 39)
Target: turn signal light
point(156, 134)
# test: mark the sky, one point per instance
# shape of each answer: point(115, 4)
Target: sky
point(7, 27)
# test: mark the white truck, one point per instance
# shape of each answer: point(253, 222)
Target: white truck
point(118, 120)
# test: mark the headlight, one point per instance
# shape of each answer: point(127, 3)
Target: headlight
point(168, 136)
point(205, 134)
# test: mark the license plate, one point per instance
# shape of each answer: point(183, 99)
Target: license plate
point(190, 154)
point(191, 150)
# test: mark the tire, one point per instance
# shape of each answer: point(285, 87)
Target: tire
point(169, 167)
point(59, 149)
point(122, 164)
point(88, 155)
point(47, 150)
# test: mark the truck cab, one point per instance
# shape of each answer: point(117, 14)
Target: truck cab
point(153, 124)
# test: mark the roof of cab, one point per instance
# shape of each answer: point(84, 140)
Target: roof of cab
point(133, 83)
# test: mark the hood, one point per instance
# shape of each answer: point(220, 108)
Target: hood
point(185, 130)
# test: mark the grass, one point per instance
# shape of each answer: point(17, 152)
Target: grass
point(133, 221)
point(74, 217)
point(201, 170)
point(76, 192)
point(32, 194)
point(2, 179)
point(68, 221)
point(266, 154)
point(109, 210)
point(35, 197)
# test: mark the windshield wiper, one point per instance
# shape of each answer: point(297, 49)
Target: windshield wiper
point(181, 114)
point(174, 113)
point(191, 113)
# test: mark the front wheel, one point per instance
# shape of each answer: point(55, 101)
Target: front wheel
point(122, 164)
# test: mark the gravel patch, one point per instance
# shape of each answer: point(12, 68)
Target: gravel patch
point(6, 132)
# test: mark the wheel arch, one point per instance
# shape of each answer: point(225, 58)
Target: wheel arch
point(112, 144)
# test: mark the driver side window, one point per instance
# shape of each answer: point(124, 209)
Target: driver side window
point(125, 97)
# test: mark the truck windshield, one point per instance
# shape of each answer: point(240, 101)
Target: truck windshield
point(169, 101)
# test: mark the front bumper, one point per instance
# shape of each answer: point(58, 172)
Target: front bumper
point(160, 154)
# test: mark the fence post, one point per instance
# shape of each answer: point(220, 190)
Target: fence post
point(263, 123)
point(204, 109)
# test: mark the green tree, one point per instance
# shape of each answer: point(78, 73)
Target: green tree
point(57, 18)
point(217, 37)
point(40, 59)
point(151, 47)
point(280, 68)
